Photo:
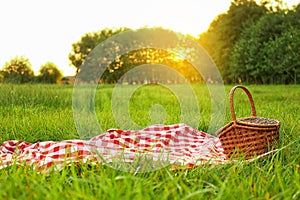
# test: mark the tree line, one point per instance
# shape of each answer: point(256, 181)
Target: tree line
point(18, 70)
point(250, 43)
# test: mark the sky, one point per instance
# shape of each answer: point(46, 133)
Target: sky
point(44, 30)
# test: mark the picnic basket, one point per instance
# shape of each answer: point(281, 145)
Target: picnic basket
point(250, 136)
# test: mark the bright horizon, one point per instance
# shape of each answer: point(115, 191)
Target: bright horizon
point(43, 31)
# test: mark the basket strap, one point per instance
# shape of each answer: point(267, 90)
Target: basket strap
point(250, 99)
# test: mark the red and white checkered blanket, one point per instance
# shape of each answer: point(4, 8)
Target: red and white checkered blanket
point(176, 144)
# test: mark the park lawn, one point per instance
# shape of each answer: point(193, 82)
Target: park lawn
point(44, 112)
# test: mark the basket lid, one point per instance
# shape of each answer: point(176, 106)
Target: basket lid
point(258, 121)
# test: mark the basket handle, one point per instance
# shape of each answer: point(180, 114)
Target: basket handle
point(250, 99)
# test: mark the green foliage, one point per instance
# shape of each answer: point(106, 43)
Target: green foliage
point(87, 43)
point(117, 59)
point(283, 55)
point(44, 112)
point(268, 51)
point(17, 70)
point(256, 43)
point(155, 58)
point(226, 30)
point(49, 73)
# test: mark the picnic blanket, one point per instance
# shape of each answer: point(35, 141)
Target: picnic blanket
point(177, 144)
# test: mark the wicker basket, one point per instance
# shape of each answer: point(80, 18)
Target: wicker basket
point(249, 136)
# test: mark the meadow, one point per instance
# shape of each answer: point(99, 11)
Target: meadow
point(44, 112)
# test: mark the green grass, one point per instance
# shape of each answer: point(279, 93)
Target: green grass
point(44, 112)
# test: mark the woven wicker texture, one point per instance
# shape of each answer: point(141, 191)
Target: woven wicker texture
point(248, 137)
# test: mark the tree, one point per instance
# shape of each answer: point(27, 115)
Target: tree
point(152, 56)
point(226, 30)
point(87, 43)
point(141, 47)
point(268, 50)
point(49, 73)
point(282, 57)
point(18, 70)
